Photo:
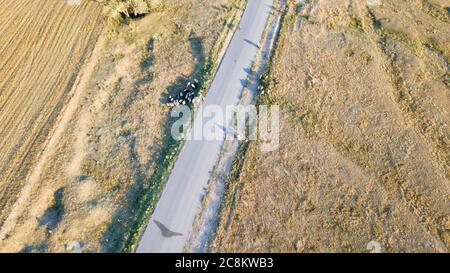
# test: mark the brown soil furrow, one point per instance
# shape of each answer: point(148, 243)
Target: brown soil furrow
point(43, 46)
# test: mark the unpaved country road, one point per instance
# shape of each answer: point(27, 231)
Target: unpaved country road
point(181, 198)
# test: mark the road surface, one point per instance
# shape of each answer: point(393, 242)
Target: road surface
point(180, 201)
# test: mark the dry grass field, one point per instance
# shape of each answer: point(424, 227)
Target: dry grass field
point(365, 140)
point(43, 44)
point(85, 191)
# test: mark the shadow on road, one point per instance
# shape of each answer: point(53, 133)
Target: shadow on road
point(251, 43)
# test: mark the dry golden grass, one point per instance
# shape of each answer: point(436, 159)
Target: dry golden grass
point(365, 148)
point(43, 44)
point(90, 184)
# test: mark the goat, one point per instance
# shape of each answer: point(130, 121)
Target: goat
point(186, 96)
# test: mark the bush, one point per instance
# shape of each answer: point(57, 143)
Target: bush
point(119, 10)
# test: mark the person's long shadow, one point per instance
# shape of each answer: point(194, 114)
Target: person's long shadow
point(251, 43)
point(144, 194)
